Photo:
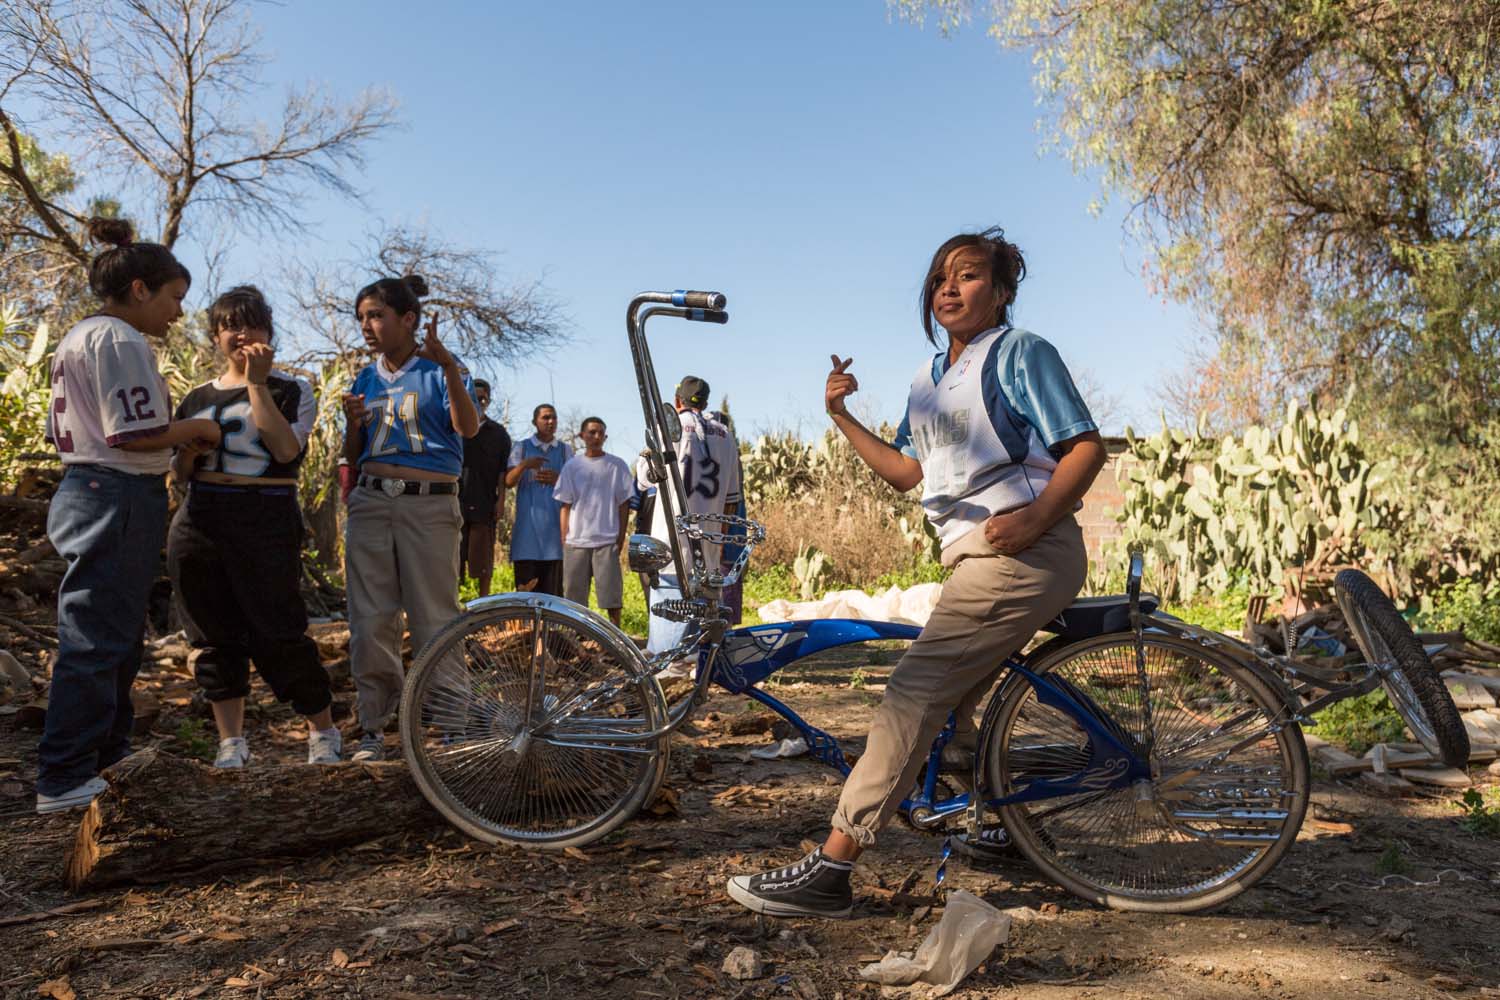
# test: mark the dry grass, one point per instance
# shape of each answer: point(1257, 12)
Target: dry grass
point(860, 538)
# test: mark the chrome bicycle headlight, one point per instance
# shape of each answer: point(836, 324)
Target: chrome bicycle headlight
point(647, 554)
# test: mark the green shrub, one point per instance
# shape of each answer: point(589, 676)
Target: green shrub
point(194, 739)
point(1360, 723)
point(1221, 612)
point(1480, 818)
point(1462, 605)
point(1392, 860)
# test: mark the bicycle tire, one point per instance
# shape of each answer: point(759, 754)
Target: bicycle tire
point(553, 785)
point(1198, 840)
point(1407, 675)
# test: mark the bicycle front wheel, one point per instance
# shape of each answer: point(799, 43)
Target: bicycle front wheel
point(1405, 671)
point(1229, 776)
point(512, 720)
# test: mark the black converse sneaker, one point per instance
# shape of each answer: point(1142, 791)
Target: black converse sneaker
point(813, 887)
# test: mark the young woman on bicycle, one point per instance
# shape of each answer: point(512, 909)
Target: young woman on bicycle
point(1005, 448)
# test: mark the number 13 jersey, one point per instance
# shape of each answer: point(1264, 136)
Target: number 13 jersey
point(241, 451)
point(106, 391)
point(708, 461)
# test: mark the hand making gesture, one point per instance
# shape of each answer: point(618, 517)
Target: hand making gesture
point(840, 384)
point(258, 360)
point(432, 349)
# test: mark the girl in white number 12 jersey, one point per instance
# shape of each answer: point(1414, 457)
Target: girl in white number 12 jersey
point(111, 424)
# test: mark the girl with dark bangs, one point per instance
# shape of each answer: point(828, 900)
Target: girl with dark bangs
point(235, 548)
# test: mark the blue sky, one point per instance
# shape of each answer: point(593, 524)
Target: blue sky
point(805, 159)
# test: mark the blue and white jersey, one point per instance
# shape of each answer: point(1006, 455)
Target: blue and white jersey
point(537, 532)
point(408, 421)
point(983, 428)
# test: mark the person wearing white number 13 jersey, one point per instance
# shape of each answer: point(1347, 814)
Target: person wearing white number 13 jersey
point(234, 550)
point(708, 460)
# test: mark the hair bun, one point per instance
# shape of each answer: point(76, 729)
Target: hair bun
point(116, 232)
point(416, 283)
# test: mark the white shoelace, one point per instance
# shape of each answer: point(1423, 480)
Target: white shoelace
point(792, 871)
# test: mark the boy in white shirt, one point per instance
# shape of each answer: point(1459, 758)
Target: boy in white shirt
point(594, 490)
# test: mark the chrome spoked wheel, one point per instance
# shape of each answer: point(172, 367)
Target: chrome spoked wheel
point(1229, 777)
point(515, 722)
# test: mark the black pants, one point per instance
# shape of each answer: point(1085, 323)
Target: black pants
point(546, 572)
point(234, 557)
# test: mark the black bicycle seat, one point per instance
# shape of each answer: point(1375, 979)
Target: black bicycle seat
point(1091, 616)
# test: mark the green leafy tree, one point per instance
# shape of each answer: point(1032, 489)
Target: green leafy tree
point(1319, 177)
point(40, 279)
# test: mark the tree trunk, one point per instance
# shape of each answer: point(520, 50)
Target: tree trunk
point(323, 524)
point(166, 817)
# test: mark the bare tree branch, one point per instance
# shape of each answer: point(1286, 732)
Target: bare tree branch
point(154, 92)
point(483, 319)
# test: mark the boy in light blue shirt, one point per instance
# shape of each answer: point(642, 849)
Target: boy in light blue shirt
point(536, 546)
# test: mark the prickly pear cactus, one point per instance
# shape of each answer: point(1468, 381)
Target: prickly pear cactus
point(1268, 507)
point(811, 570)
point(776, 466)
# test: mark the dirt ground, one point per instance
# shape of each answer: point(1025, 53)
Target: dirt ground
point(643, 914)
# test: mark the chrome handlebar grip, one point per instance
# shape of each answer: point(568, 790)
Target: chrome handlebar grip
point(700, 300)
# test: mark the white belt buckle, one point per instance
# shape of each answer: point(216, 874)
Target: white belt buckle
point(393, 487)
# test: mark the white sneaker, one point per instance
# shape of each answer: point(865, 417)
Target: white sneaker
point(234, 751)
point(371, 747)
point(325, 746)
point(677, 669)
point(71, 799)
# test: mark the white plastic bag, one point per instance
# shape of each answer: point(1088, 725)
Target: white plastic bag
point(969, 930)
point(781, 748)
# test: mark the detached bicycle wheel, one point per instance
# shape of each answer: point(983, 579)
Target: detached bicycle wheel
point(512, 720)
point(1229, 776)
point(1408, 676)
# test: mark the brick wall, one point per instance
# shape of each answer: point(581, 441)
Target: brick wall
point(1102, 503)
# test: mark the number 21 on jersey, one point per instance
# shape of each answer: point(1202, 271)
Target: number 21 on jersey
point(384, 413)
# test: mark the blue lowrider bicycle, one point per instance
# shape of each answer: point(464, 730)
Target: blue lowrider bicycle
point(1142, 763)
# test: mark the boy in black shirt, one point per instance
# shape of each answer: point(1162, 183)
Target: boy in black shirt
point(481, 492)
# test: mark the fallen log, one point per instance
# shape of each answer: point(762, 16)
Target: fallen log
point(36, 508)
point(165, 817)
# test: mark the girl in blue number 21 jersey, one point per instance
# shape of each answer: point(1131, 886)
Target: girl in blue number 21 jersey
point(408, 413)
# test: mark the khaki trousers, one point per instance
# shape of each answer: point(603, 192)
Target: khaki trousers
point(400, 555)
point(990, 607)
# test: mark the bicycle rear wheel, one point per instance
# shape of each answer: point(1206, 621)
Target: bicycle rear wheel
point(510, 719)
point(1408, 676)
point(1229, 783)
